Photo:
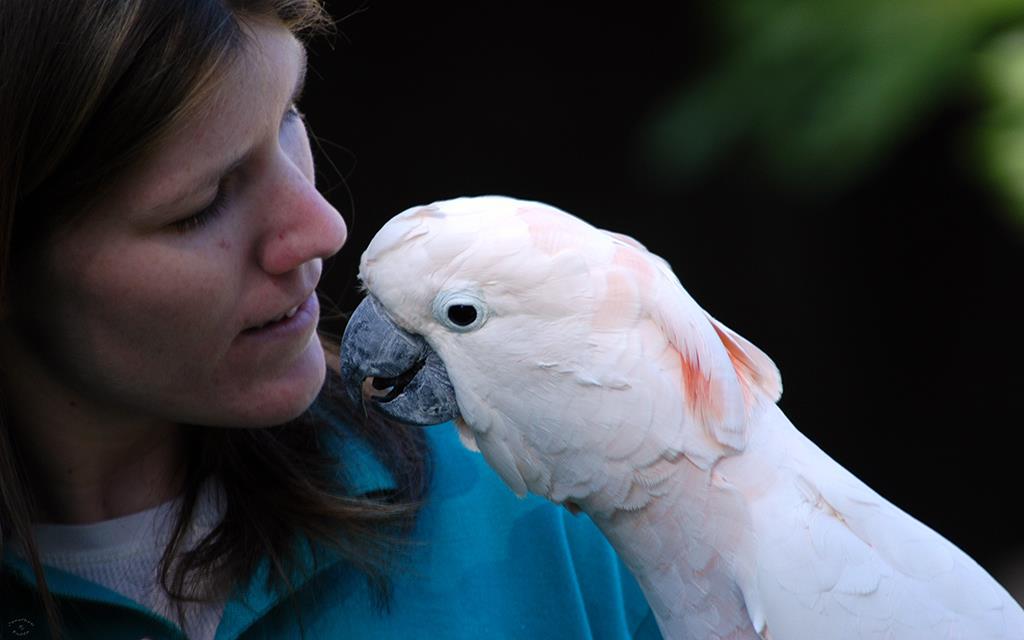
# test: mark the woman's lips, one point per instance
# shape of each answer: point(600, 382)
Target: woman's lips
point(306, 316)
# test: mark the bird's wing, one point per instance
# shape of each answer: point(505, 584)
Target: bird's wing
point(846, 563)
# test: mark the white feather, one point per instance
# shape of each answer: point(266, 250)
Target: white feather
point(597, 380)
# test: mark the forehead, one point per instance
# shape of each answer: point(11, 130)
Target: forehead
point(244, 105)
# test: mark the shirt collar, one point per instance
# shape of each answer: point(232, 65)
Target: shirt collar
point(364, 473)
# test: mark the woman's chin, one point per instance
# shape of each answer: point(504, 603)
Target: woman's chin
point(283, 397)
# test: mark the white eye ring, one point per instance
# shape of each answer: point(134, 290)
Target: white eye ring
point(460, 311)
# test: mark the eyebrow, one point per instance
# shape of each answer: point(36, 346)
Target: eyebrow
point(214, 176)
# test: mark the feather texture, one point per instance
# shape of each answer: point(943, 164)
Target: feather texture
point(595, 380)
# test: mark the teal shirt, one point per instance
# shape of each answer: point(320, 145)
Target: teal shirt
point(482, 564)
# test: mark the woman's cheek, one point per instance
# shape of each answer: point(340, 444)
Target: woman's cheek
point(170, 305)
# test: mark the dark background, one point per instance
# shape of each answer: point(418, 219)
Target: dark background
point(891, 305)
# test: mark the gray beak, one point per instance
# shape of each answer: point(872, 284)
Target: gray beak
point(409, 382)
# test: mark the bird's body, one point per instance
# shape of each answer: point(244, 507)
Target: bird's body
point(781, 542)
point(584, 372)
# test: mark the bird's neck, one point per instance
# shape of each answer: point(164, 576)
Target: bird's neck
point(681, 571)
point(690, 546)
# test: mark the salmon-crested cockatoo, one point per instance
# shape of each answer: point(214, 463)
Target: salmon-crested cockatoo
point(576, 363)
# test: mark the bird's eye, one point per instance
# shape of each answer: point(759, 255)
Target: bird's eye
point(462, 314)
point(460, 311)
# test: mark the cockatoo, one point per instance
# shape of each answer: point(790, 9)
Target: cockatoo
point(573, 359)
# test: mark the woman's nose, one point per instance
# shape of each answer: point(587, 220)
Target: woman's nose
point(301, 225)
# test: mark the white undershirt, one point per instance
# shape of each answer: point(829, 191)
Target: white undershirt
point(124, 554)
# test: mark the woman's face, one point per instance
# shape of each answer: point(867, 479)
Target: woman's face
point(147, 310)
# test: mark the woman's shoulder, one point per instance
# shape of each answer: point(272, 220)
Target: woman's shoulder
point(506, 566)
point(479, 560)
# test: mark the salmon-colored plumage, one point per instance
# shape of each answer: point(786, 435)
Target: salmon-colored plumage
point(598, 382)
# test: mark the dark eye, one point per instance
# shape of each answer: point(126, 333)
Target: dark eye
point(462, 314)
point(460, 310)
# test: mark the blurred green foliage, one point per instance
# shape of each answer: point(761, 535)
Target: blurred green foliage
point(816, 92)
point(1000, 139)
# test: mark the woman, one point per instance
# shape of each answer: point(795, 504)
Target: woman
point(173, 458)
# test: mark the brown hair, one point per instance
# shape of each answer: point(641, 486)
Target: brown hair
point(87, 88)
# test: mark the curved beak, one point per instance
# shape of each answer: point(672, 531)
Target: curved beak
point(395, 370)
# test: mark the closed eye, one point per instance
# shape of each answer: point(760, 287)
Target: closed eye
point(292, 113)
point(210, 212)
point(205, 215)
